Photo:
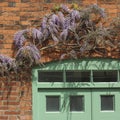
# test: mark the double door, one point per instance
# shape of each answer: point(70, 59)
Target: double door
point(78, 104)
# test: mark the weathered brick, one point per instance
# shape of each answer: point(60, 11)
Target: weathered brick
point(1, 45)
point(86, 2)
point(48, 1)
point(118, 1)
point(22, 5)
point(11, 103)
point(107, 1)
point(1, 25)
point(3, 4)
point(1, 36)
point(11, 4)
point(3, 117)
point(3, 107)
point(8, 46)
point(74, 1)
point(13, 0)
point(13, 118)
point(41, 1)
point(2, 0)
point(26, 117)
point(118, 14)
point(9, 9)
point(24, 1)
point(12, 112)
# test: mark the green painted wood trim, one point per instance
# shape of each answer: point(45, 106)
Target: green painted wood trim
point(34, 95)
point(82, 64)
point(80, 85)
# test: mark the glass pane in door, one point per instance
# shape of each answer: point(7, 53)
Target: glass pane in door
point(52, 103)
point(107, 102)
point(76, 103)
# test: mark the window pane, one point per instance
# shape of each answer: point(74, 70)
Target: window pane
point(50, 76)
point(76, 103)
point(107, 102)
point(52, 103)
point(105, 76)
point(78, 76)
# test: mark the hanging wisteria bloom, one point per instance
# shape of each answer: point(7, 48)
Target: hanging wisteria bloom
point(19, 38)
point(28, 56)
point(7, 64)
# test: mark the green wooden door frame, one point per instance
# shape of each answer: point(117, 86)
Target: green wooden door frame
point(80, 64)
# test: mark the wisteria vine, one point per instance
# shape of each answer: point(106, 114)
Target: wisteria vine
point(64, 33)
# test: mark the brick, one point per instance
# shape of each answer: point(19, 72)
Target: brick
point(113, 11)
point(11, 4)
point(107, 1)
point(75, 1)
point(24, 1)
point(9, 40)
point(3, 108)
point(25, 22)
point(11, 93)
point(118, 14)
point(2, 0)
point(3, 117)
point(3, 4)
point(6, 22)
point(41, 1)
point(8, 46)
point(12, 112)
point(13, 108)
point(28, 112)
point(12, 32)
point(1, 103)
point(48, 1)
point(26, 117)
point(13, 118)
point(108, 7)
point(31, 9)
point(11, 103)
point(1, 25)
point(89, 2)
point(9, 9)
point(8, 98)
point(13, 0)
point(1, 36)
point(1, 45)
point(118, 1)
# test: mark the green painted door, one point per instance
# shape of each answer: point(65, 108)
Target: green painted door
point(64, 104)
point(106, 104)
point(86, 89)
point(79, 104)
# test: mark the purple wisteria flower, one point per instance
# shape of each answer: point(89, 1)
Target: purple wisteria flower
point(28, 55)
point(19, 38)
point(7, 64)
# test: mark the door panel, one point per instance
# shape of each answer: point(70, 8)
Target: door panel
point(73, 104)
point(79, 104)
point(105, 104)
point(50, 103)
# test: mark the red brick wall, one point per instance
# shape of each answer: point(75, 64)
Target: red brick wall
point(16, 96)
